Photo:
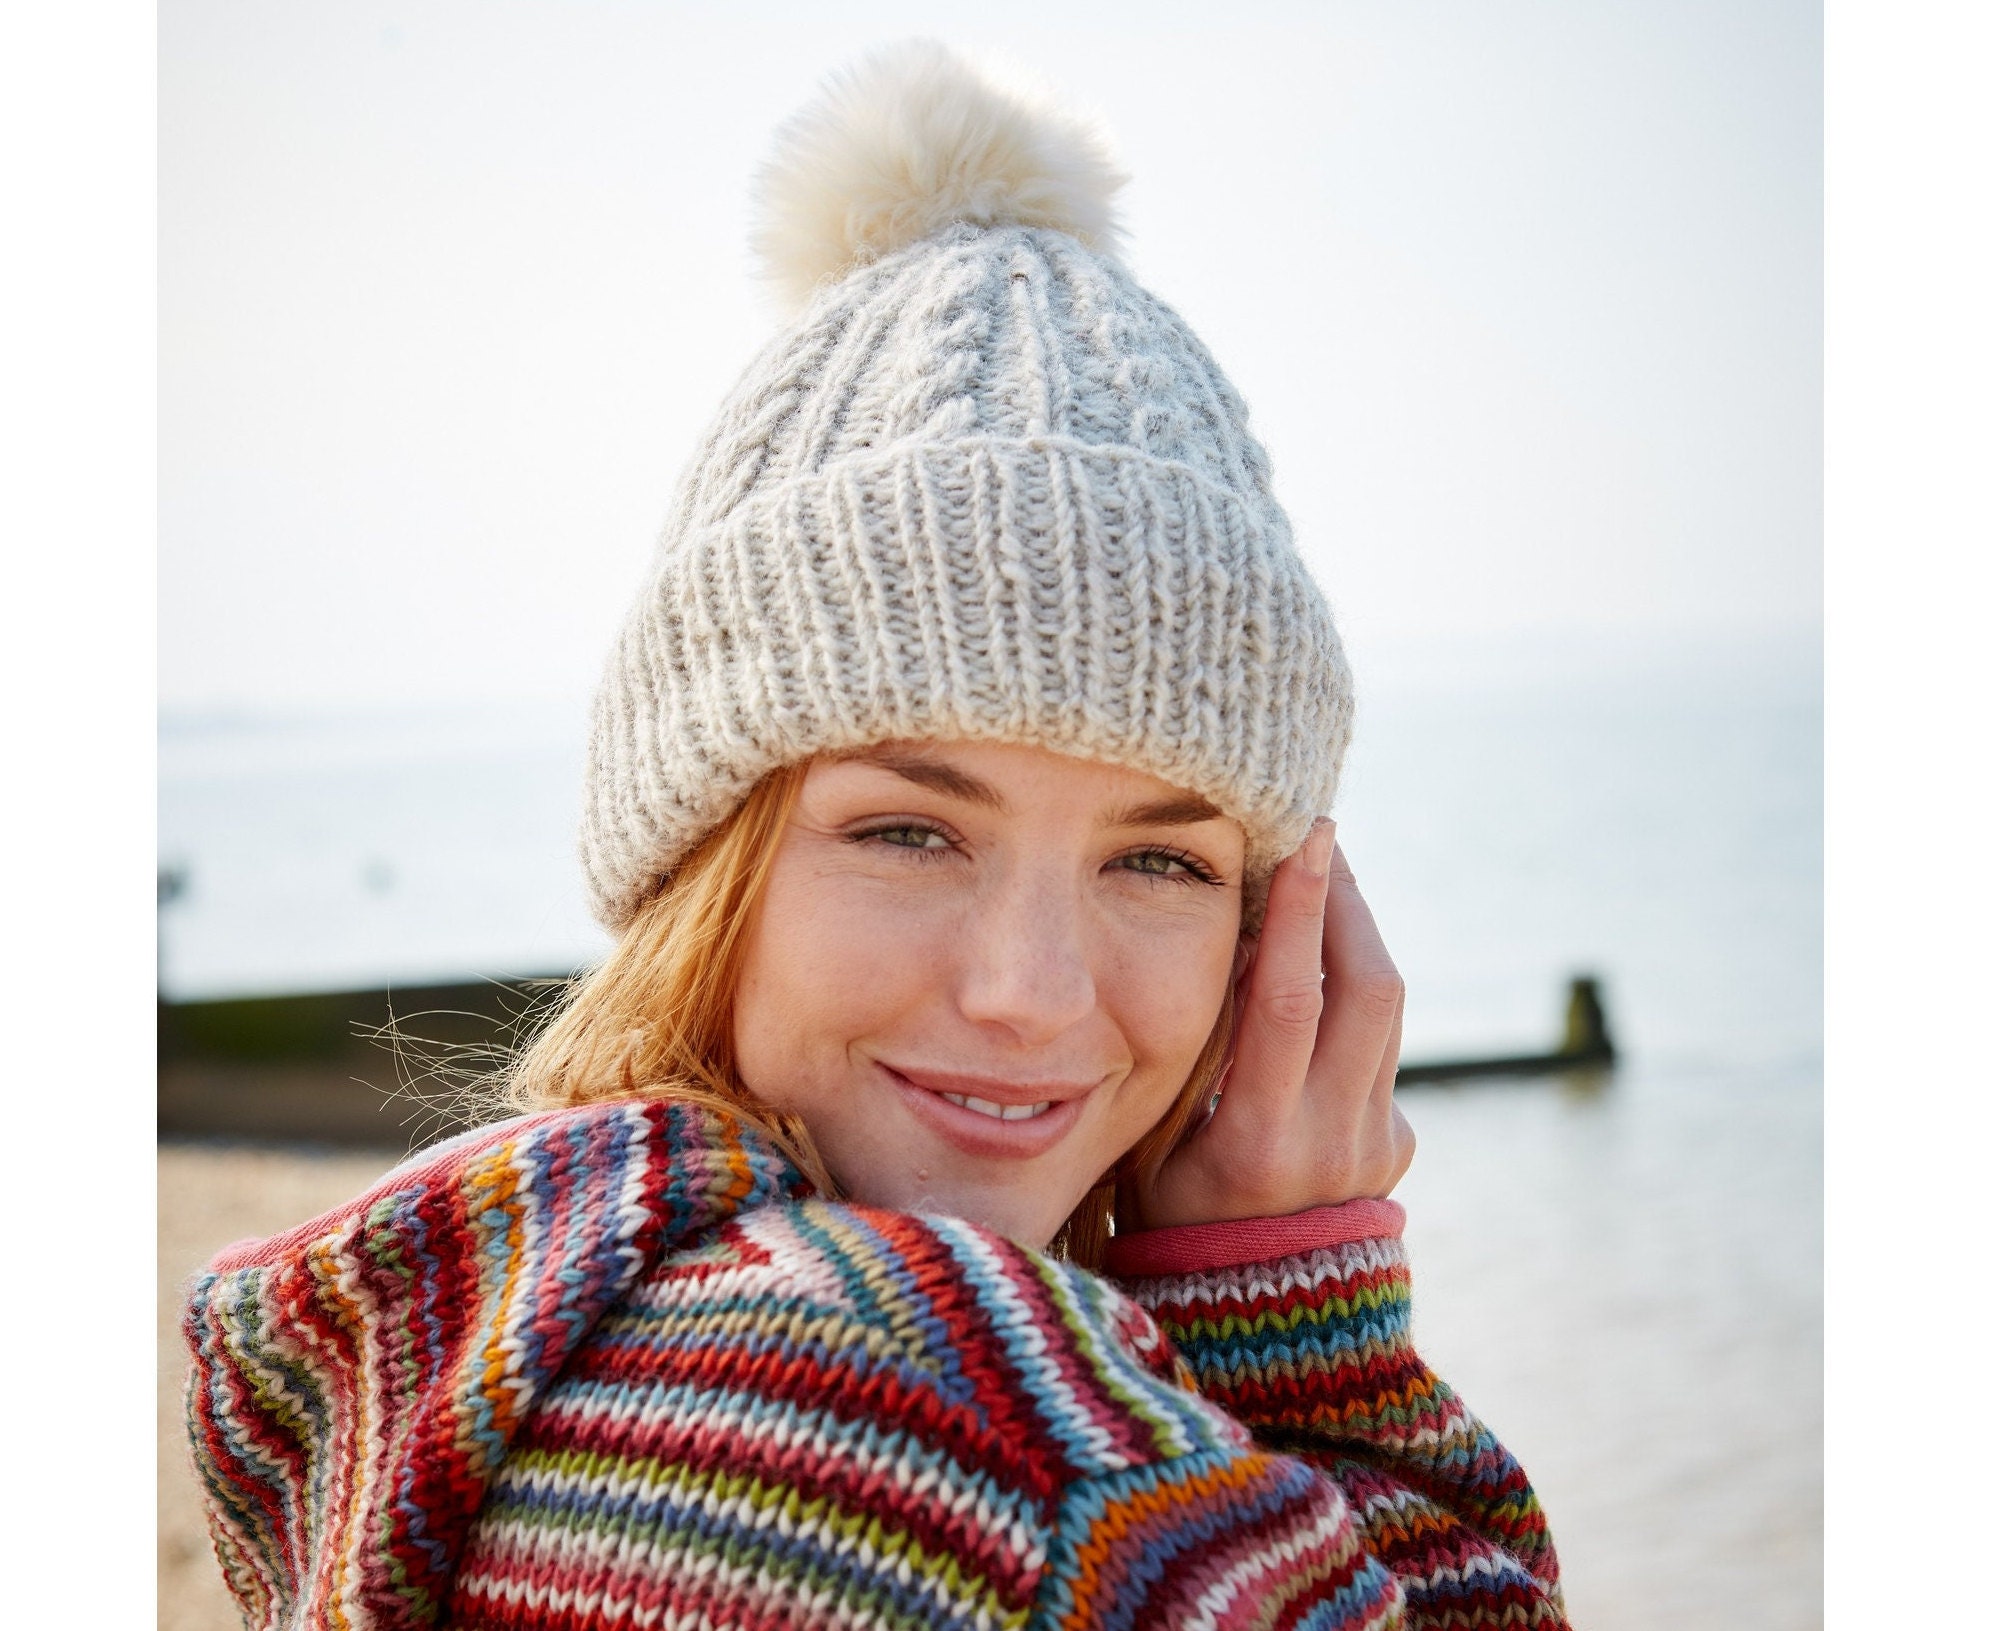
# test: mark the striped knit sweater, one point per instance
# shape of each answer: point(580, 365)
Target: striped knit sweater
point(616, 1366)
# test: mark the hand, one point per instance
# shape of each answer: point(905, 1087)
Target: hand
point(1307, 1114)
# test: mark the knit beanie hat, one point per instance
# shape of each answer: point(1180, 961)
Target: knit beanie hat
point(983, 486)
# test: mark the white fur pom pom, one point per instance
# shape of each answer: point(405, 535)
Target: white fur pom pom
point(910, 141)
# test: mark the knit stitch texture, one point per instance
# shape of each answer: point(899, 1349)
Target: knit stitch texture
point(614, 1366)
point(988, 488)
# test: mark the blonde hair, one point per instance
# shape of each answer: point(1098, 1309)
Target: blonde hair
point(654, 1019)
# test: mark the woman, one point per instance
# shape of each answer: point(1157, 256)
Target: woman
point(959, 1198)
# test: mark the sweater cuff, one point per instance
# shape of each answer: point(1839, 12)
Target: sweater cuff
point(1196, 1248)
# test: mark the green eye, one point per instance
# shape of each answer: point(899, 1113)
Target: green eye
point(911, 837)
point(1166, 863)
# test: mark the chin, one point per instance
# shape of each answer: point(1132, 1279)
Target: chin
point(1021, 1217)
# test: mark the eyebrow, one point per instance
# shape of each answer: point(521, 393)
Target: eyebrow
point(936, 774)
point(1175, 810)
point(1183, 810)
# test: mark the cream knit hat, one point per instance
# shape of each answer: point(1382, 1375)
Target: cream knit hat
point(983, 486)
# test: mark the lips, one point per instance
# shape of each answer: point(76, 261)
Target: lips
point(991, 1118)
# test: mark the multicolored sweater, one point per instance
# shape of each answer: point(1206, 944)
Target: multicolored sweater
point(617, 1367)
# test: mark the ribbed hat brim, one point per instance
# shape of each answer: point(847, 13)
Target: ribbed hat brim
point(1088, 599)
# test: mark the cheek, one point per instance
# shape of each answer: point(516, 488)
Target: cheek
point(1168, 995)
point(825, 968)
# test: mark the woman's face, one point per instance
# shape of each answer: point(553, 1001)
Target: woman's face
point(979, 973)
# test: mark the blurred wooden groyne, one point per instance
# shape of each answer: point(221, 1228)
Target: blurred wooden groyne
point(1586, 1045)
point(377, 1069)
point(387, 1068)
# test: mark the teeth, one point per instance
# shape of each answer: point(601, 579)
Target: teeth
point(1001, 1112)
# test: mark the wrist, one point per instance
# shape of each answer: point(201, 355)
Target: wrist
point(1196, 1247)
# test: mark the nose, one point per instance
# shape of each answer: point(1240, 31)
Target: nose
point(1023, 967)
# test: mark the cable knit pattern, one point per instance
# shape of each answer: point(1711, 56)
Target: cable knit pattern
point(986, 487)
point(614, 1366)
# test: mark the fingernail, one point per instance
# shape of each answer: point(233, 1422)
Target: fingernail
point(1317, 853)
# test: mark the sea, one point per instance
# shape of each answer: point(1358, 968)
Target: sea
point(1619, 1271)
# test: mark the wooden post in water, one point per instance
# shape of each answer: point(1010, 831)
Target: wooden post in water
point(1585, 1032)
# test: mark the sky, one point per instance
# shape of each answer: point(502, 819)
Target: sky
point(1524, 296)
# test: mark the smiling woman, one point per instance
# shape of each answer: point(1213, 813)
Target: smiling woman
point(960, 1196)
point(981, 973)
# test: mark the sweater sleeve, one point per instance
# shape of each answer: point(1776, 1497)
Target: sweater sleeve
point(1398, 1506)
point(356, 1383)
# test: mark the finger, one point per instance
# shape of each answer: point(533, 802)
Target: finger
point(1382, 1093)
point(1362, 993)
point(1351, 950)
point(1278, 1019)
